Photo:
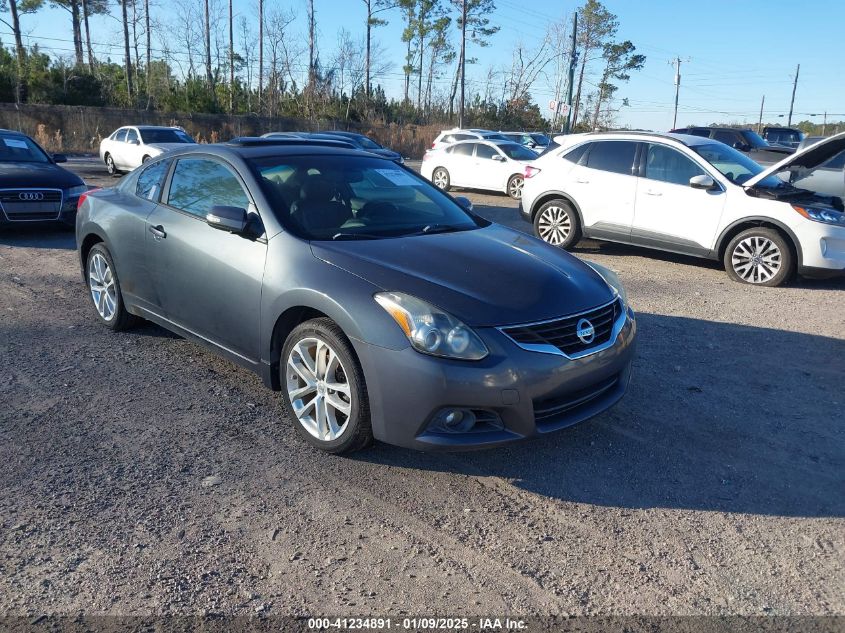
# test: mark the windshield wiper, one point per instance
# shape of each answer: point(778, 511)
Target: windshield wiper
point(431, 229)
point(357, 236)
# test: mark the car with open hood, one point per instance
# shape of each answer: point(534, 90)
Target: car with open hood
point(128, 147)
point(379, 306)
point(692, 195)
point(33, 187)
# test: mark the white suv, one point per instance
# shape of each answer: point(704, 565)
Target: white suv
point(128, 147)
point(695, 196)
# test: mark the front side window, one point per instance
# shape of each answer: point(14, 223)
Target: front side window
point(517, 152)
point(20, 149)
point(198, 184)
point(727, 137)
point(669, 165)
point(120, 135)
point(485, 151)
point(333, 198)
point(131, 136)
point(613, 156)
point(148, 184)
point(734, 165)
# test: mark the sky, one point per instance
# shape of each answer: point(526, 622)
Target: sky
point(732, 53)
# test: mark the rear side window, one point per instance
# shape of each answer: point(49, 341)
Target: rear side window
point(613, 156)
point(699, 131)
point(120, 135)
point(198, 184)
point(149, 180)
point(464, 149)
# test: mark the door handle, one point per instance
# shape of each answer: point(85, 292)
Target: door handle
point(583, 182)
point(158, 232)
point(649, 192)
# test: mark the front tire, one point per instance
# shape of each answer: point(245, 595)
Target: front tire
point(440, 179)
point(759, 256)
point(145, 159)
point(515, 185)
point(104, 289)
point(557, 223)
point(323, 388)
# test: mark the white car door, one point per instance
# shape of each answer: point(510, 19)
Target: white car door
point(491, 169)
point(132, 149)
point(461, 164)
point(604, 187)
point(669, 213)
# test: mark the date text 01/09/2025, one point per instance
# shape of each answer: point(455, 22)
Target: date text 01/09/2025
point(418, 624)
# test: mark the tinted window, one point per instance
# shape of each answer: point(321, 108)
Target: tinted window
point(333, 197)
point(541, 139)
point(463, 137)
point(131, 135)
point(670, 165)
point(613, 156)
point(149, 180)
point(165, 136)
point(575, 155)
point(485, 151)
point(464, 149)
point(752, 138)
point(16, 148)
point(699, 131)
point(727, 137)
point(517, 152)
point(199, 184)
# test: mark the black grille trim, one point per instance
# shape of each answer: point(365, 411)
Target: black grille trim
point(549, 410)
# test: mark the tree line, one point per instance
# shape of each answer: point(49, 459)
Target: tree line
point(189, 61)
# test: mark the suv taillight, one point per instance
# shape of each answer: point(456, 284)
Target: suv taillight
point(85, 195)
point(530, 171)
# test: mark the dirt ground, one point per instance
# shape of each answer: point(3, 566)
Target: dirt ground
point(717, 486)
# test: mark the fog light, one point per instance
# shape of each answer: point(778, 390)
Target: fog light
point(453, 421)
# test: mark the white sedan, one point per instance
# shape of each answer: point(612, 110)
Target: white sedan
point(129, 147)
point(491, 165)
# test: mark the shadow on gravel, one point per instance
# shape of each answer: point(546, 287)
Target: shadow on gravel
point(719, 417)
point(53, 236)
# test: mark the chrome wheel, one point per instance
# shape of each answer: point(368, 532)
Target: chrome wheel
point(756, 259)
point(318, 389)
point(515, 187)
point(103, 290)
point(440, 178)
point(555, 225)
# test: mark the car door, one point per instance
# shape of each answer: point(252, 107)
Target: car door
point(461, 163)
point(604, 187)
point(206, 280)
point(669, 213)
point(132, 149)
point(491, 168)
point(117, 146)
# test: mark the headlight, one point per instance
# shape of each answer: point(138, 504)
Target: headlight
point(430, 330)
point(826, 216)
point(612, 280)
point(74, 192)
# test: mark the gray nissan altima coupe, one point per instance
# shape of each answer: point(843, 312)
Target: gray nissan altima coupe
point(378, 305)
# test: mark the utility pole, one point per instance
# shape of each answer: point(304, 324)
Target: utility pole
point(260, 53)
point(760, 121)
point(573, 61)
point(824, 125)
point(677, 90)
point(231, 63)
point(791, 103)
point(463, 59)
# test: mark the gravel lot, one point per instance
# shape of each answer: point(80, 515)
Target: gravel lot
point(140, 474)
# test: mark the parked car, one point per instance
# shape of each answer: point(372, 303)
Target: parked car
point(447, 137)
point(809, 140)
point(692, 195)
point(377, 304)
point(489, 165)
point(128, 147)
point(363, 142)
point(785, 136)
point(33, 188)
point(535, 141)
point(746, 141)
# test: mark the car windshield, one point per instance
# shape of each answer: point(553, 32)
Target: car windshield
point(541, 139)
point(20, 149)
point(366, 143)
point(754, 139)
point(784, 136)
point(732, 164)
point(517, 152)
point(165, 136)
point(343, 197)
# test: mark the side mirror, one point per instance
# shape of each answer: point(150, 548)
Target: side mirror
point(499, 158)
point(59, 158)
point(702, 182)
point(232, 219)
point(464, 203)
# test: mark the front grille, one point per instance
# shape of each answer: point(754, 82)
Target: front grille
point(562, 333)
point(31, 204)
point(551, 409)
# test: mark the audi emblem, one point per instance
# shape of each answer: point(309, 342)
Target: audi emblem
point(31, 196)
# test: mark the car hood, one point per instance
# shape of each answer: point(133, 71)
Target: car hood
point(491, 276)
point(27, 175)
point(808, 158)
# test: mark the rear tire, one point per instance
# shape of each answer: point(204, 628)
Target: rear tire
point(440, 179)
point(760, 256)
point(557, 223)
point(110, 166)
point(145, 159)
point(515, 184)
point(323, 388)
point(104, 289)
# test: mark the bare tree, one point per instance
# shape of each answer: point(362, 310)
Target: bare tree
point(277, 25)
point(440, 52)
point(526, 67)
point(248, 44)
point(620, 60)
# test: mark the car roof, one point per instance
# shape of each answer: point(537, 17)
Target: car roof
point(686, 139)
point(256, 147)
point(5, 131)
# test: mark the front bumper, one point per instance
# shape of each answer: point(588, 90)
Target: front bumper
point(822, 249)
point(532, 393)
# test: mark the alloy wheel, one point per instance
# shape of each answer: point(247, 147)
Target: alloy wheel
point(441, 179)
point(555, 225)
point(756, 259)
point(515, 187)
point(101, 283)
point(110, 165)
point(318, 389)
